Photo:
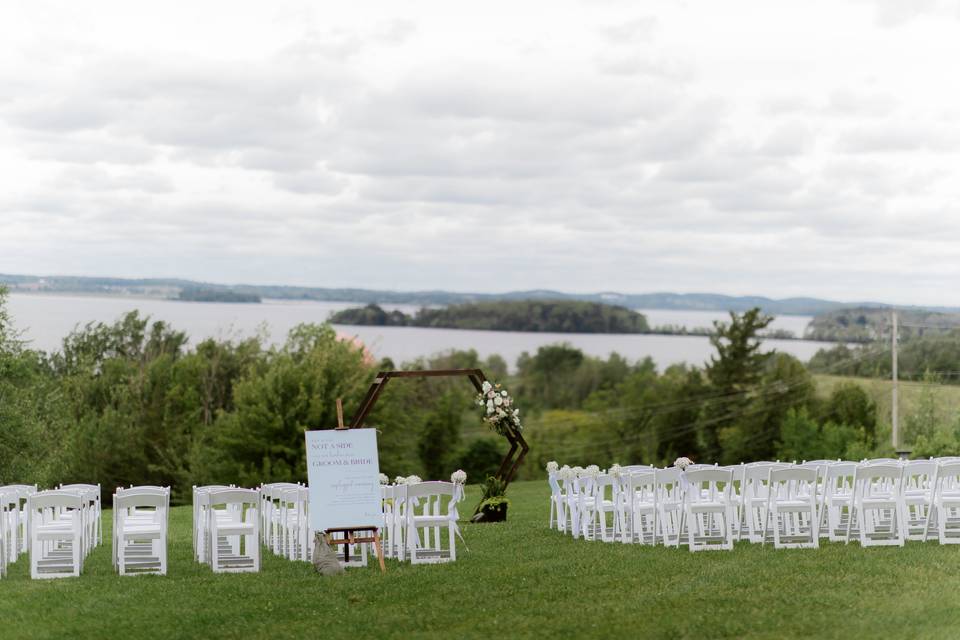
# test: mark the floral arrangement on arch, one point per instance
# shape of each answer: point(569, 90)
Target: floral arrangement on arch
point(498, 409)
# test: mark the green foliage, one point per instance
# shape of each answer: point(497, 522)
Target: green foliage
point(481, 458)
point(850, 404)
point(494, 495)
point(565, 316)
point(803, 438)
point(291, 390)
point(561, 376)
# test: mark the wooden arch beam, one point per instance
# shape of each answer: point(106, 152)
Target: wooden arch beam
point(518, 446)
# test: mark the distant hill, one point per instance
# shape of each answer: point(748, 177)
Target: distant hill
point(865, 324)
point(171, 288)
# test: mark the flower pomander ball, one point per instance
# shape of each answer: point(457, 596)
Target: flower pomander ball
point(384, 479)
point(592, 471)
point(498, 408)
point(566, 473)
point(552, 466)
point(615, 470)
point(399, 480)
point(577, 472)
point(682, 463)
point(458, 477)
point(414, 480)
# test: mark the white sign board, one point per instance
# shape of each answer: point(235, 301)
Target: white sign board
point(344, 475)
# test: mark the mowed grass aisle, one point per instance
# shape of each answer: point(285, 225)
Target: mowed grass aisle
point(519, 579)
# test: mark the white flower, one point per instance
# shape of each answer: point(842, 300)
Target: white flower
point(458, 477)
point(577, 471)
point(498, 401)
point(414, 480)
point(592, 471)
point(566, 473)
point(503, 393)
point(486, 386)
point(682, 463)
point(615, 470)
point(399, 480)
point(552, 466)
point(384, 479)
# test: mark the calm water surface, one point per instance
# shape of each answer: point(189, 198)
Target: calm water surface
point(46, 319)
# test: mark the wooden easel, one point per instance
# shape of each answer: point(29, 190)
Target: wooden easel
point(372, 534)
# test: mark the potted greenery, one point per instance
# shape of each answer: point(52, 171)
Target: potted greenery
point(493, 506)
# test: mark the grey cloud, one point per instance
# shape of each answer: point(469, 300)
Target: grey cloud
point(310, 182)
point(630, 31)
point(899, 136)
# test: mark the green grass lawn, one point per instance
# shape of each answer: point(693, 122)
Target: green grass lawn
point(519, 579)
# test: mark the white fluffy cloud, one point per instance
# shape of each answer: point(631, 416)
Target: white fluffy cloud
point(740, 147)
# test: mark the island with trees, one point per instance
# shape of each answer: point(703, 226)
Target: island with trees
point(197, 294)
point(555, 316)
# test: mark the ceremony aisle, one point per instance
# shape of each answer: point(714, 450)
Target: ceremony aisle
point(518, 579)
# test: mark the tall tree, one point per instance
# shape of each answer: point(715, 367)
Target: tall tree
point(734, 372)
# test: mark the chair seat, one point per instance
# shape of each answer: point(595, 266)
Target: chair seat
point(704, 507)
point(236, 529)
point(140, 530)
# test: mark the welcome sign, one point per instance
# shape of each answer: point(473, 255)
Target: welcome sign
point(344, 475)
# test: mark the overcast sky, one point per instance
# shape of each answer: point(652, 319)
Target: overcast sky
point(742, 147)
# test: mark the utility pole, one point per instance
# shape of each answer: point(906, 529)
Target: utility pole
point(894, 412)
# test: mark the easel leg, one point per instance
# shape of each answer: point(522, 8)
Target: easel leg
point(379, 550)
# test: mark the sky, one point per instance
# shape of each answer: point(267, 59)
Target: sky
point(742, 147)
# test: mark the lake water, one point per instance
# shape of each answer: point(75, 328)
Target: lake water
point(46, 319)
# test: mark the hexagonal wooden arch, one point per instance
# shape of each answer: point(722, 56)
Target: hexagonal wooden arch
point(518, 446)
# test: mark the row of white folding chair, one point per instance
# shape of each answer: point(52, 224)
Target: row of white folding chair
point(272, 515)
point(201, 506)
point(227, 528)
point(93, 513)
point(675, 507)
point(14, 524)
point(140, 520)
point(293, 536)
point(59, 524)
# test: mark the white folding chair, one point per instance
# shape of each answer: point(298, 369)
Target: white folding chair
point(201, 507)
point(708, 510)
point(571, 522)
point(557, 502)
point(238, 520)
point(604, 520)
point(919, 478)
point(586, 504)
point(140, 518)
point(754, 494)
point(430, 508)
point(946, 503)
point(877, 505)
point(791, 511)
point(93, 512)
point(836, 501)
point(668, 497)
point(57, 534)
point(639, 508)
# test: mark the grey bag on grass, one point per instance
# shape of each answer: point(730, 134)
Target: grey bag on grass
point(324, 558)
